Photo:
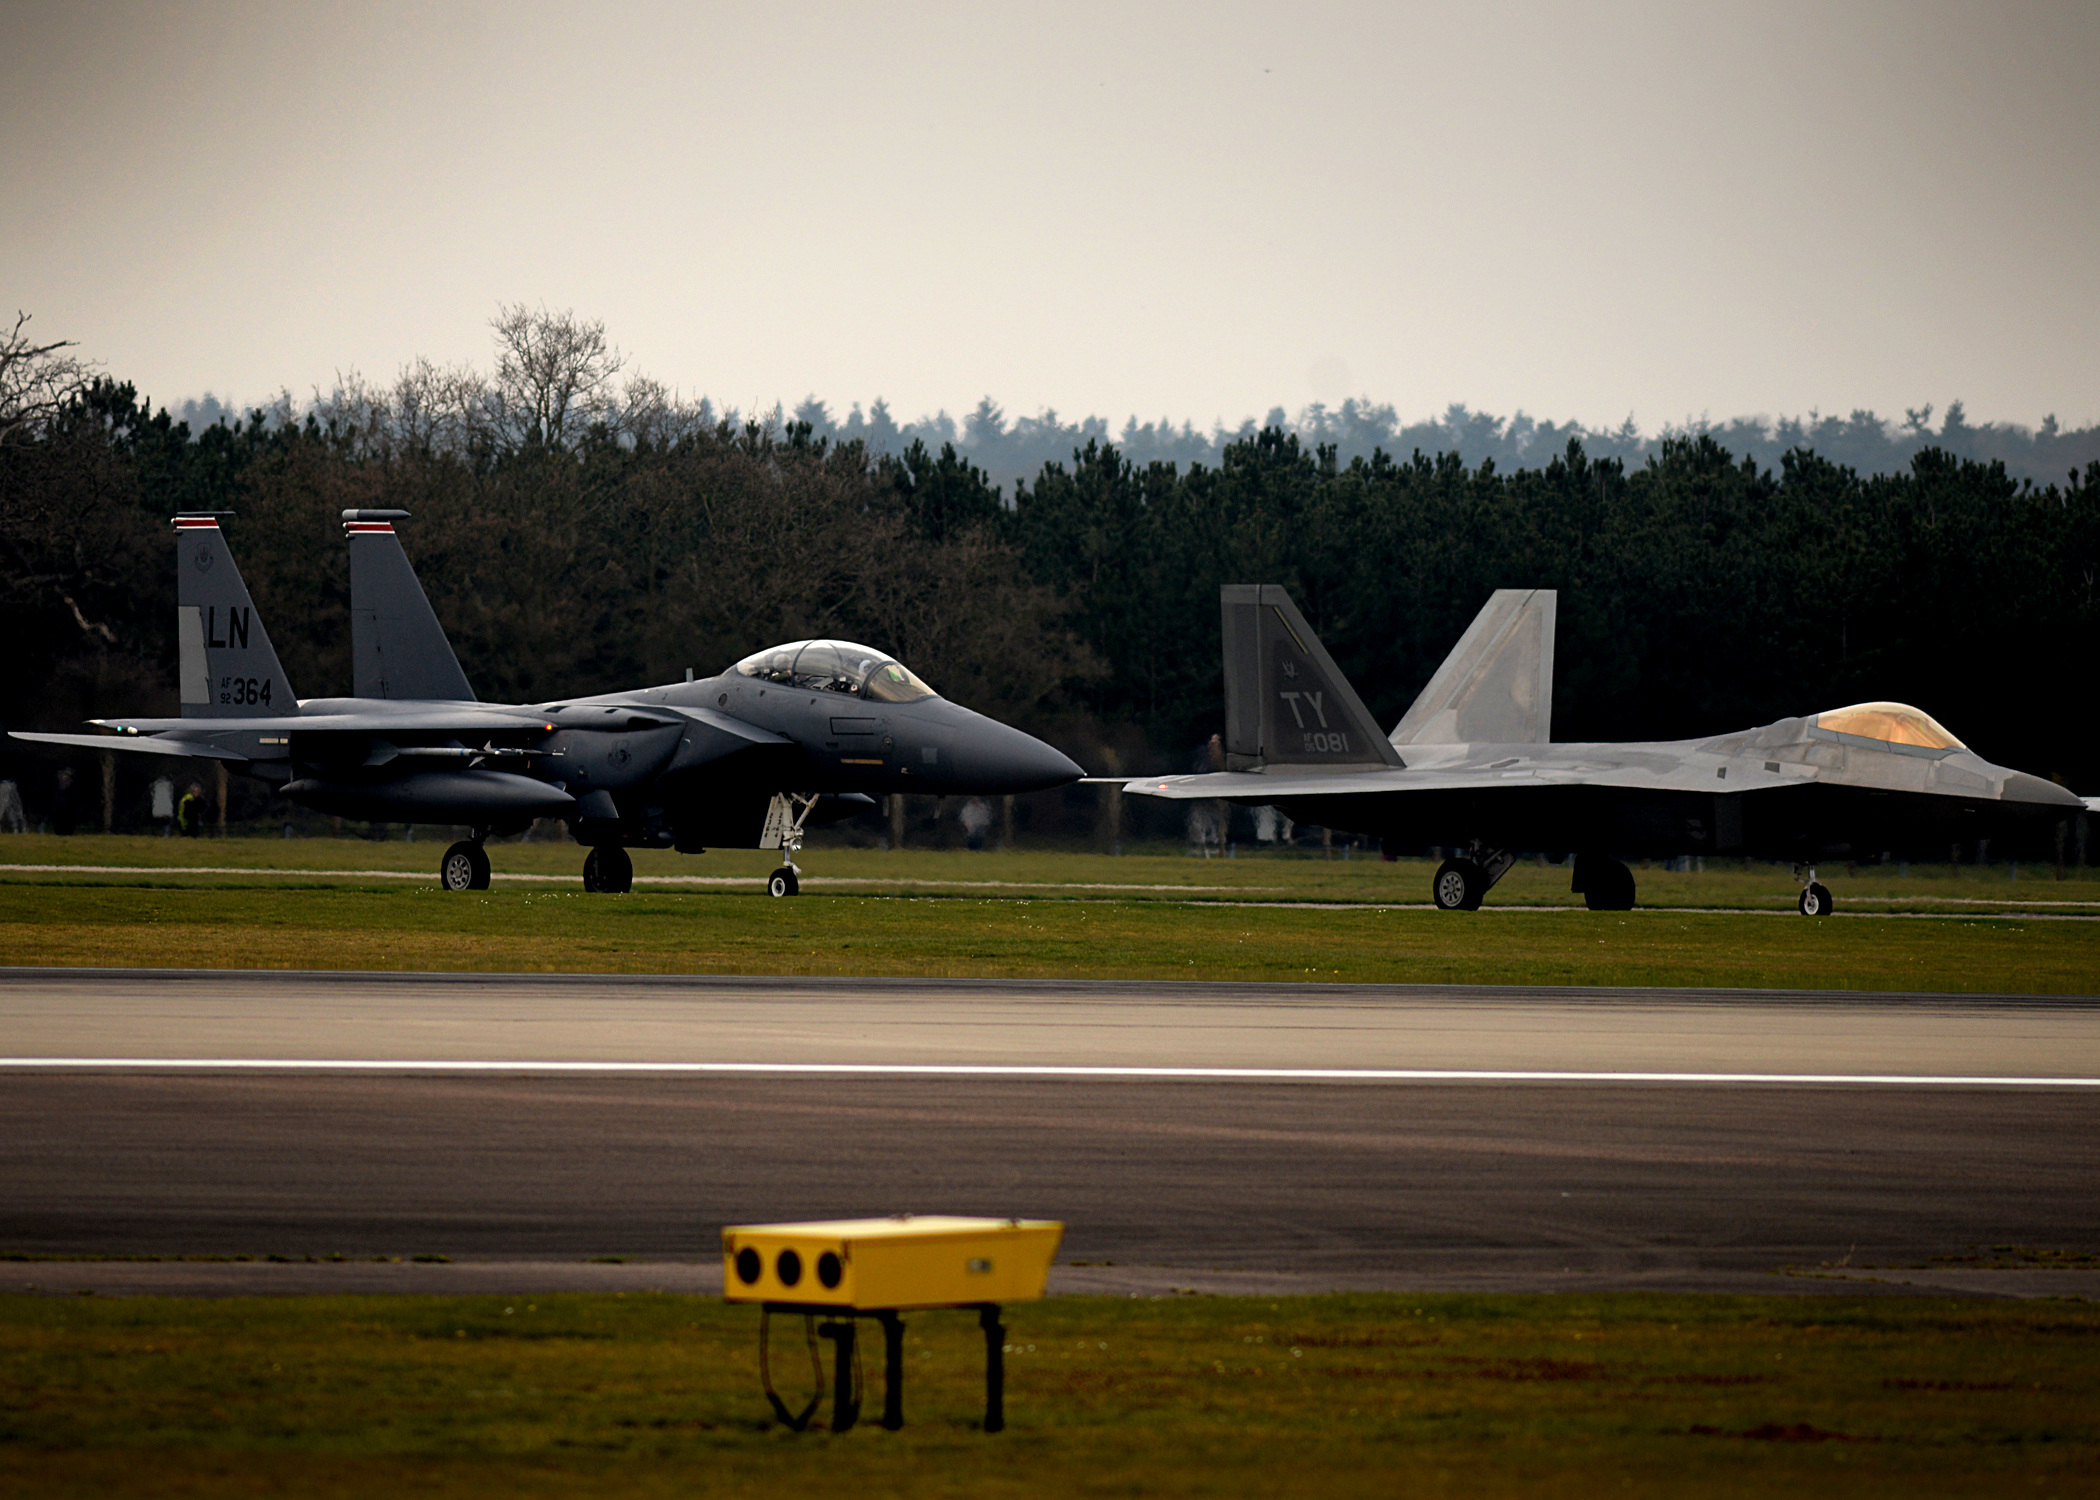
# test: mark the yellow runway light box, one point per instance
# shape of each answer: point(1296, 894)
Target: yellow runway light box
point(896, 1263)
point(840, 1269)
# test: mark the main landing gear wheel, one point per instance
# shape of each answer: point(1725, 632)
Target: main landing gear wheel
point(782, 882)
point(1460, 885)
point(1815, 900)
point(465, 867)
point(1607, 885)
point(608, 869)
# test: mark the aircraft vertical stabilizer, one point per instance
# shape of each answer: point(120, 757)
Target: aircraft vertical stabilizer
point(397, 647)
point(1496, 686)
point(228, 668)
point(1286, 703)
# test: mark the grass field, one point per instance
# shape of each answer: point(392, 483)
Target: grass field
point(1041, 915)
point(1384, 1395)
point(1156, 874)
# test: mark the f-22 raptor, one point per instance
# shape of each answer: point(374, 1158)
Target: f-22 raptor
point(1472, 766)
point(788, 739)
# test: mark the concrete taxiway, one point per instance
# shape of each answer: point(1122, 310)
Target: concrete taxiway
point(1211, 1137)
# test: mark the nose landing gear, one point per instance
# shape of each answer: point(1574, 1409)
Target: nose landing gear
point(1815, 897)
point(783, 831)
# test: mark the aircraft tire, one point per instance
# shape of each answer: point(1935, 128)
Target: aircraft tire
point(608, 870)
point(782, 882)
point(1460, 885)
point(1607, 885)
point(465, 867)
point(1815, 900)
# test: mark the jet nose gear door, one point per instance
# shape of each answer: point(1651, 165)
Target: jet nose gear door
point(785, 816)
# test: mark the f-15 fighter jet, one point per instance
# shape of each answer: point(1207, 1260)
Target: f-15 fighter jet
point(1472, 766)
point(795, 737)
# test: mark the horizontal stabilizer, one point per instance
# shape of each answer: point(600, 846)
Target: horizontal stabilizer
point(1286, 702)
point(1496, 686)
point(397, 648)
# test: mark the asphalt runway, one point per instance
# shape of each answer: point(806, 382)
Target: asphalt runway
point(214, 1114)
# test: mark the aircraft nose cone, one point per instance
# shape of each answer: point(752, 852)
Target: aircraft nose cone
point(2020, 787)
point(994, 757)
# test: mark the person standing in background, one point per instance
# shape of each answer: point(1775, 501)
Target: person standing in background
point(64, 814)
point(189, 812)
point(1210, 822)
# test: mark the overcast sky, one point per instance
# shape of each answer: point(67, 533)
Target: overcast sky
point(1198, 211)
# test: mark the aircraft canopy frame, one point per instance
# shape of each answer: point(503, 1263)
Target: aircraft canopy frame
point(1883, 725)
point(834, 666)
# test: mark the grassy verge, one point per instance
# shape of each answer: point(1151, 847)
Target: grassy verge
point(1261, 875)
point(739, 932)
point(1641, 1395)
point(330, 903)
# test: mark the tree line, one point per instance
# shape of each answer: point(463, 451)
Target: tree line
point(579, 532)
point(1013, 449)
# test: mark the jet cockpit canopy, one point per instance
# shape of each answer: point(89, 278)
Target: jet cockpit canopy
point(836, 667)
point(1891, 723)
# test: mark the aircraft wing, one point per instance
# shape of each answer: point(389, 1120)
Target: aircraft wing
point(436, 718)
point(249, 739)
point(135, 744)
point(1687, 772)
point(709, 735)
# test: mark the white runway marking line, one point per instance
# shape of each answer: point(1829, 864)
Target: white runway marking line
point(1033, 1070)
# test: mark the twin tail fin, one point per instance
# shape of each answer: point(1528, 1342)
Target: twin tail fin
point(1286, 702)
point(1496, 686)
point(229, 670)
point(397, 648)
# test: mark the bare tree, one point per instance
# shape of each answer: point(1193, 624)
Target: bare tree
point(554, 376)
point(651, 412)
point(554, 380)
point(36, 380)
point(444, 408)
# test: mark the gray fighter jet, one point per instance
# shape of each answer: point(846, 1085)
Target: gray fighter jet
point(1472, 766)
point(792, 738)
